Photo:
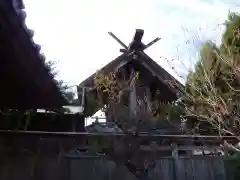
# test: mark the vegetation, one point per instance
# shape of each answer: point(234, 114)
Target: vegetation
point(112, 93)
point(63, 87)
point(212, 92)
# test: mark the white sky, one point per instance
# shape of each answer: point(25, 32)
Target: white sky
point(75, 32)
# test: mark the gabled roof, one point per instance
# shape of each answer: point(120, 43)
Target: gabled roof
point(146, 61)
point(26, 81)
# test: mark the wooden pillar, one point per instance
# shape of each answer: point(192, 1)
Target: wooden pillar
point(133, 98)
point(175, 160)
point(149, 99)
point(174, 151)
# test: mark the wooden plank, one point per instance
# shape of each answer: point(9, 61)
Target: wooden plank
point(50, 142)
point(112, 134)
point(152, 42)
point(183, 148)
point(61, 168)
point(118, 40)
point(101, 136)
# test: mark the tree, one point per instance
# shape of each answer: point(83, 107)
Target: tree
point(212, 92)
point(63, 87)
point(112, 93)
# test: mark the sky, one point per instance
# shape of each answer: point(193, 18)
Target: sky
point(74, 33)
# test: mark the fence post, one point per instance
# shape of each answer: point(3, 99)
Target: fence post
point(175, 160)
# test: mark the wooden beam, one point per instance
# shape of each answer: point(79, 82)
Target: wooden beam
point(175, 149)
point(118, 40)
point(138, 35)
point(49, 142)
point(169, 148)
point(123, 50)
point(211, 137)
point(140, 136)
point(181, 148)
point(152, 42)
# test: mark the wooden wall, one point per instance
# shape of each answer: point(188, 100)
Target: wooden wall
point(43, 122)
point(76, 167)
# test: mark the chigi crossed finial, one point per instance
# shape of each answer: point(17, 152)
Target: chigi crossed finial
point(136, 44)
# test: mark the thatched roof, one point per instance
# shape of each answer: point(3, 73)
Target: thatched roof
point(25, 80)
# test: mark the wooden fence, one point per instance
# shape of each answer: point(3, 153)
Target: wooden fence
point(29, 167)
